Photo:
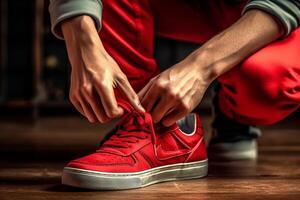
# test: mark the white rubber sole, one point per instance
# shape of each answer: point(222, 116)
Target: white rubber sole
point(119, 181)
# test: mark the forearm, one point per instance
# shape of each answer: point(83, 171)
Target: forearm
point(80, 29)
point(61, 10)
point(252, 31)
point(81, 35)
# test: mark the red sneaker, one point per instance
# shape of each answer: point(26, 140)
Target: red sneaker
point(138, 155)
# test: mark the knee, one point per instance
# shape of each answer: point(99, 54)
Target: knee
point(260, 96)
point(276, 68)
point(266, 86)
point(272, 79)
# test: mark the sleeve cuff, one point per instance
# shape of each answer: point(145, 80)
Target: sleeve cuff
point(287, 21)
point(63, 9)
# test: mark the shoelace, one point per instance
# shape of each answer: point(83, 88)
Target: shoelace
point(131, 129)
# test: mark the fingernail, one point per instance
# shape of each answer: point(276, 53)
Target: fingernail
point(140, 106)
point(142, 109)
point(119, 112)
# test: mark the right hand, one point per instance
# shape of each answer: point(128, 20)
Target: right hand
point(94, 74)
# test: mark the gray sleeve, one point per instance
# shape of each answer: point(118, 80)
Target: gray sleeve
point(287, 12)
point(64, 9)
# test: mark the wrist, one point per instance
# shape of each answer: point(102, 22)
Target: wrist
point(80, 30)
point(206, 63)
point(79, 24)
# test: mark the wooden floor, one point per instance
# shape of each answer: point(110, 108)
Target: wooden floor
point(32, 157)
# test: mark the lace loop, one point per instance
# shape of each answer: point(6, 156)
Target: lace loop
point(131, 129)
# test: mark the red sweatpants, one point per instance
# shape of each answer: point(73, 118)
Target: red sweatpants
point(262, 90)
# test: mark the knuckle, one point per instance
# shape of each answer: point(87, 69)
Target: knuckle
point(102, 83)
point(173, 94)
point(73, 97)
point(122, 78)
point(95, 76)
point(86, 88)
point(161, 86)
point(185, 106)
point(113, 113)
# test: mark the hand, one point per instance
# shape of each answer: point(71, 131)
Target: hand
point(175, 92)
point(94, 74)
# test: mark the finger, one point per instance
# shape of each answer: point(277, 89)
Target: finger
point(92, 99)
point(143, 92)
point(173, 117)
point(150, 98)
point(130, 94)
point(161, 109)
point(78, 107)
point(75, 102)
point(181, 111)
point(88, 112)
point(108, 99)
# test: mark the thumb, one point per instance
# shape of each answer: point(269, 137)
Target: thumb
point(130, 94)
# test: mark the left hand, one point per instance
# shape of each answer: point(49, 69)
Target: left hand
point(175, 92)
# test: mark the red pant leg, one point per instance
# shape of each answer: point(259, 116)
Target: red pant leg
point(265, 88)
point(262, 90)
point(127, 35)
point(194, 20)
point(128, 28)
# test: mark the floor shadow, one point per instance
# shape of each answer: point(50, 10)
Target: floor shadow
point(29, 180)
point(244, 168)
point(64, 188)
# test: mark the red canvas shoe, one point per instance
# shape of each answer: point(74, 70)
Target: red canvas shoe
point(138, 154)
